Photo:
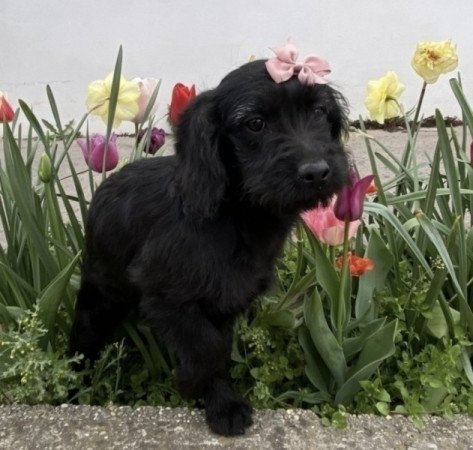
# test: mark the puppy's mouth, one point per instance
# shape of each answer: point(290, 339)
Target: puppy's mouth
point(298, 196)
point(311, 196)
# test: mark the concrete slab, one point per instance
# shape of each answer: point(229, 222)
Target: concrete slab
point(85, 427)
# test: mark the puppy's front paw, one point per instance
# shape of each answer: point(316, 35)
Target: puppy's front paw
point(229, 418)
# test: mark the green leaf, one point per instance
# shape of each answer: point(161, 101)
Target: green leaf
point(5, 315)
point(142, 347)
point(352, 345)
point(316, 370)
point(466, 361)
point(281, 319)
point(51, 297)
point(114, 91)
point(326, 274)
point(383, 259)
point(27, 202)
point(437, 325)
point(52, 103)
point(381, 210)
point(33, 122)
point(437, 241)
point(466, 108)
point(323, 338)
point(376, 349)
point(151, 102)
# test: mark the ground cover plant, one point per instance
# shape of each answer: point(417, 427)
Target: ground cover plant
point(373, 307)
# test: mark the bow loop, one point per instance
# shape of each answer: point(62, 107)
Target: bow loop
point(284, 66)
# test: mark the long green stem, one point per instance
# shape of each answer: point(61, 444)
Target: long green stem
point(419, 106)
point(412, 132)
point(341, 314)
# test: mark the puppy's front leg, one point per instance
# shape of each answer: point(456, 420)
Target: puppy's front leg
point(203, 347)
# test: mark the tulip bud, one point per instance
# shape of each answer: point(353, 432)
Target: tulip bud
point(156, 140)
point(349, 203)
point(44, 169)
point(181, 95)
point(6, 111)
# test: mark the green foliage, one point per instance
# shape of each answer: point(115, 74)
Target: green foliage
point(29, 374)
point(268, 361)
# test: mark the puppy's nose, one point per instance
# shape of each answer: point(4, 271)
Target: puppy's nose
point(314, 172)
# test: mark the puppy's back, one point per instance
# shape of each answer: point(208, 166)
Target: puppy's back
point(127, 207)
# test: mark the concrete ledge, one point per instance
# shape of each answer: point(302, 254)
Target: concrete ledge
point(84, 427)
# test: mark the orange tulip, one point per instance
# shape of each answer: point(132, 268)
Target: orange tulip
point(358, 265)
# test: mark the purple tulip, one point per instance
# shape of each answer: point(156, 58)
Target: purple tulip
point(349, 203)
point(94, 149)
point(156, 139)
point(471, 153)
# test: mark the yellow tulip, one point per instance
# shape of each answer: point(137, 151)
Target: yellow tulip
point(431, 59)
point(98, 96)
point(382, 97)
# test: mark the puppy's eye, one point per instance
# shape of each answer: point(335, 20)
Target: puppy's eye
point(255, 125)
point(320, 111)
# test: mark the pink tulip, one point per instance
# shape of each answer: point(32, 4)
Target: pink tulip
point(326, 227)
point(349, 203)
point(94, 149)
point(147, 87)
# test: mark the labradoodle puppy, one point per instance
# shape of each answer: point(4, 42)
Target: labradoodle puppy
point(190, 240)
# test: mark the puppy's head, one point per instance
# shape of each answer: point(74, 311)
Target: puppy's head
point(276, 145)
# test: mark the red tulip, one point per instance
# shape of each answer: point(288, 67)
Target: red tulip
point(471, 154)
point(349, 203)
point(94, 149)
point(181, 95)
point(6, 111)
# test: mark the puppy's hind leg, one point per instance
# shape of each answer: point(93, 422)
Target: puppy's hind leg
point(96, 316)
point(203, 348)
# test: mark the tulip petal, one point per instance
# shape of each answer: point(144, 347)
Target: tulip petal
point(358, 196)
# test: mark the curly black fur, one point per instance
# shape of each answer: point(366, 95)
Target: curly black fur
point(190, 240)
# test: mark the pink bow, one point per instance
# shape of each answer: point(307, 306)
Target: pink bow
point(282, 67)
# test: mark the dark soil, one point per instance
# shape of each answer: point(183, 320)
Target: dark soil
point(397, 123)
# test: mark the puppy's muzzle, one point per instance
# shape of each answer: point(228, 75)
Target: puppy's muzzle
point(314, 172)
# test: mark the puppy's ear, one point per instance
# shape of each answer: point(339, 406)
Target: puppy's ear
point(338, 114)
point(201, 177)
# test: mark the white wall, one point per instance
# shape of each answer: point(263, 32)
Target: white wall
point(68, 43)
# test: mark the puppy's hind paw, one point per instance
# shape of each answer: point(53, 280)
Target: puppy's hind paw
point(230, 418)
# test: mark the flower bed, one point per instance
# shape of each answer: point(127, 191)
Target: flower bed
point(372, 312)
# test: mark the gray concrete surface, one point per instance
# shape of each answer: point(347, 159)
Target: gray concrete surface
point(80, 427)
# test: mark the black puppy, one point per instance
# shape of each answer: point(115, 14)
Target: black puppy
point(190, 240)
